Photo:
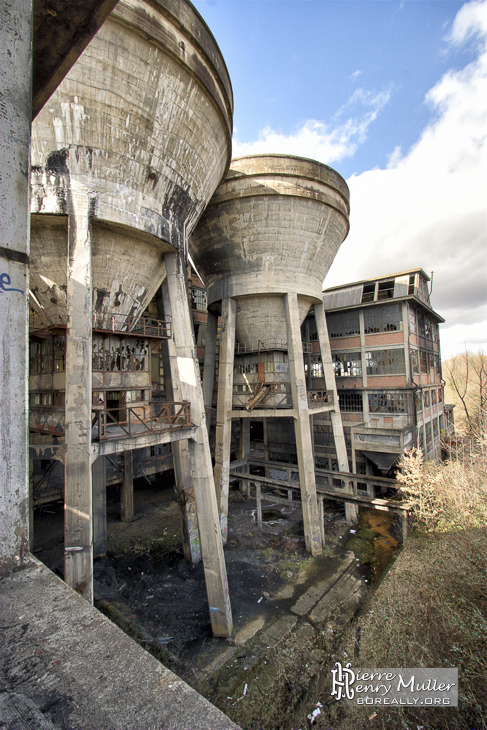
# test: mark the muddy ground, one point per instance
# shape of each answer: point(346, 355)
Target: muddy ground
point(146, 586)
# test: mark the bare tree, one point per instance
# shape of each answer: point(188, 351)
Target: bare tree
point(466, 380)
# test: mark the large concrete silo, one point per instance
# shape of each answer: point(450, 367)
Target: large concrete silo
point(125, 156)
point(263, 248)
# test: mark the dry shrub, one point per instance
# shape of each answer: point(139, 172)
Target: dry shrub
point(447, 495)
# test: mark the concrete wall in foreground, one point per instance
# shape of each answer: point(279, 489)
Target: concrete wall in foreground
point(15, 22)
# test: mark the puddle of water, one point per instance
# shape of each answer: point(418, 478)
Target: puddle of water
point(372, 542)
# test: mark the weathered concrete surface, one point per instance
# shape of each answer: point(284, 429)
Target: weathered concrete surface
point(273, 226)
point(351, 510)
point(15, 67)
point(310, 598)
point(61, 31)
point(302, 428)
point(19, 711)
point(278, 630)
point(62, 653)
point(142, 123)
point(343, 599)
point(78, 495)
point(223, 423)
point(209, 366)
point(186, 384)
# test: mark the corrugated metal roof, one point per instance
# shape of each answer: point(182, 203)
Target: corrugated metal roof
point(342, 297)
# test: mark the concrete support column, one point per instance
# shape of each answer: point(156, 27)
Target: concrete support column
point(78, 500)
point(15, 116)
point(210, 364)
point(244, 451)
point(183, 486)
point(99, 479)
point(265, 433)
point(351, 510)
point(185, 374)
point(224, 405)
point(186, 500)
point(312, 528)
point(31, 505)
point(127, 488)
point(164, 346)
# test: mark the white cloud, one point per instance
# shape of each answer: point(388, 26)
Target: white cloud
point(320, 141)
point(428, 208)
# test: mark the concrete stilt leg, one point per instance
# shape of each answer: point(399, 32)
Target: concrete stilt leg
point(180, 450)
point(322, 517)
point(351, 510)
point(265, 430)
point(127, 488)
point(209, 366)
point(185, 376)
point(187, 505)
point(312, 529)
point(31, 505)
point(99, 507)
point(244, 451)
point(224, 404)
point(78, 502)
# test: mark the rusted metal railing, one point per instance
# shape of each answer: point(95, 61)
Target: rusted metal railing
point(142, 326)
point(115, 423)
point(132, 421)
point(318, 398)
point(56, 316)
point(274, 343)
point(274, 395)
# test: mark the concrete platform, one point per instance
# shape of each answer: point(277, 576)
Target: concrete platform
point(77, 670)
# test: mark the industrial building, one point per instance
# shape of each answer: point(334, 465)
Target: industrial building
point(386, 355)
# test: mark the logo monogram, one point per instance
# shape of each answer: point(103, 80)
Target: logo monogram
point(343, 678)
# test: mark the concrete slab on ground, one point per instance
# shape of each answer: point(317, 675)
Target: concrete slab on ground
point(278, 630)
point(311, 597)
point(84, 671)
point(342, 599)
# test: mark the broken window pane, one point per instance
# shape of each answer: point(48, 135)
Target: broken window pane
point(383, 319)
point(347, 364)
point(343, 324)
point(391, 402)
point(385, 362)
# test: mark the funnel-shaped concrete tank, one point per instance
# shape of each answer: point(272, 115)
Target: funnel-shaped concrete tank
point(273, 227)
point(135, 140)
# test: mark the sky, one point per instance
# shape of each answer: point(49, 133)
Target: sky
point(392, 95)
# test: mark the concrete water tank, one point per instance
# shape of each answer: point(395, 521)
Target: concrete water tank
point(273, 226)
point(139, 135)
